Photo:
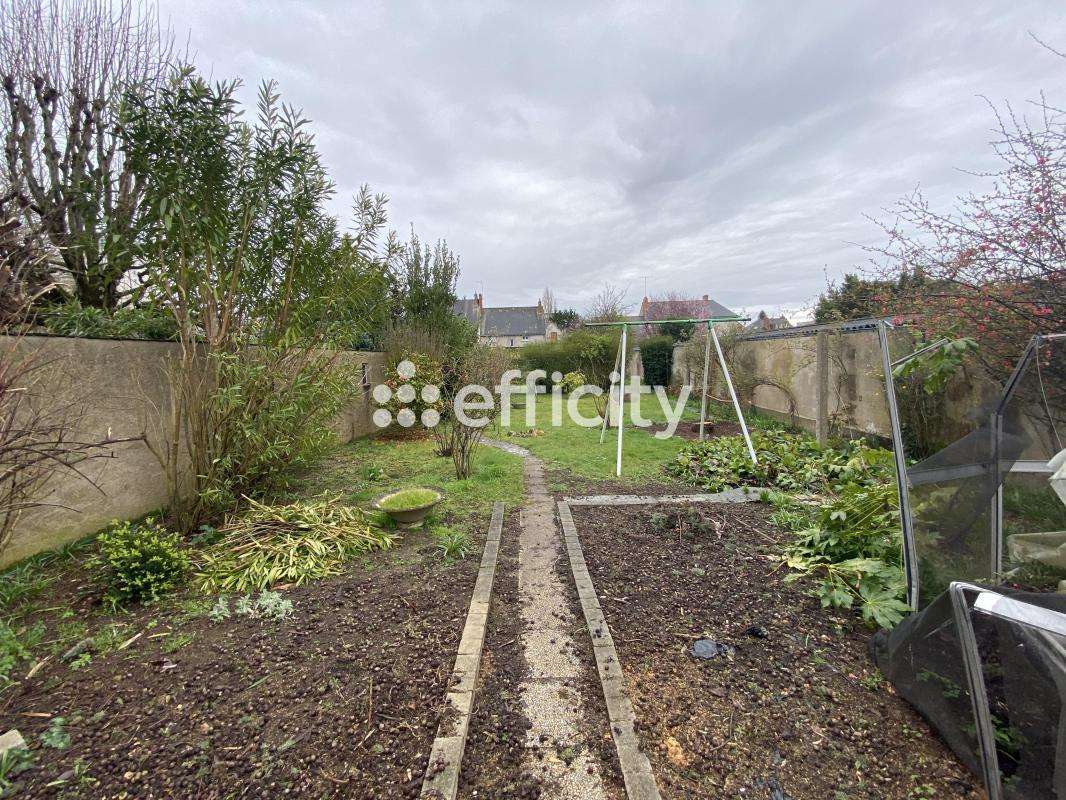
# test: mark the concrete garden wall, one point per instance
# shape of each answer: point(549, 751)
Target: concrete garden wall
point(120, 388)
point(827, 382)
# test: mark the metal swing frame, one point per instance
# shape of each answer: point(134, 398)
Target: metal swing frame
point(620, 371)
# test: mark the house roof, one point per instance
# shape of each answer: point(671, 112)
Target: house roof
point(467, 307)
point(684, 309)
point(765, 322)
point(513, 321)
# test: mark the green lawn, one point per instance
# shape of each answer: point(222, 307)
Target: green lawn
point(579, 450)
point(367, 468)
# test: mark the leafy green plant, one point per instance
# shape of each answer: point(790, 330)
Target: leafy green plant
point(273, 606)
point(292, 543)
point(81, 661)
point(572, 380)
point(130, 322)
point(582, 350)
point(13, 762)
point(787, 461)
point(237, 245)
point(15, 647)
point(853, 548)
point(938, 365)
point(453, 544)
point(657, 355)
point(949, 688)
point(139, 561)
point(220, 610)
point(427, 372)
point(269, 605)
point(56, 735)
point(176, 642)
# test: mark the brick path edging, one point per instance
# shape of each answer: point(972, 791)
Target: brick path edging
point(446, 756)
point(636, 768)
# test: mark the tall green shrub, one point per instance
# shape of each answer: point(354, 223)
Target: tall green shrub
point(585, 351)
point(657, 354)
point(238, 247)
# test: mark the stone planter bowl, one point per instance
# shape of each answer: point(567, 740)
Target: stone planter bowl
point(409, 517)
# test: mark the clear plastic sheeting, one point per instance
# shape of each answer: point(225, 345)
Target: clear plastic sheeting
point(984, 656)
point(1032, 522)
point(1018, 651)
point(982, 507)
point(1023, 677)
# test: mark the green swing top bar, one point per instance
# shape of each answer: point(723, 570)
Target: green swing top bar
point(665, 321)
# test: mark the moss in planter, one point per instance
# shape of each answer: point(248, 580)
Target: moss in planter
point(407, 499)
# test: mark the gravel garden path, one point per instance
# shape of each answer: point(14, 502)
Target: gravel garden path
point(550, 694)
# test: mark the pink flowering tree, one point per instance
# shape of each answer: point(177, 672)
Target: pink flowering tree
point(993, 268)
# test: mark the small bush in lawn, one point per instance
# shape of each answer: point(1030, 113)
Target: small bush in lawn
point(572, 380)
point(139, 561)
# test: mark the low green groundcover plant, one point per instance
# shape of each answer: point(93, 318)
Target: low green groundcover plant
point(406, 499)
point(293, 543)
point(788, 461)
point(841, 502)
point(139, 561)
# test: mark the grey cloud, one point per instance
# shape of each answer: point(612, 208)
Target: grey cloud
point(730, 149)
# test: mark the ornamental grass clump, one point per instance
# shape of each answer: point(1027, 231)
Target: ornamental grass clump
point(293, 543)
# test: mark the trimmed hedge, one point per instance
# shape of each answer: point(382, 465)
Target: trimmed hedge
point(583, 351)
point(657, 353)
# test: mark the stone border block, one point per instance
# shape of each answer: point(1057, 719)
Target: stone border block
point(441, 781)
point(636, 768)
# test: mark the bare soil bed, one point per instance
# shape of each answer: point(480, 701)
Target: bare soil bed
point(795, 710)
point(342, 699)
point(691, 430)
point(494, 759)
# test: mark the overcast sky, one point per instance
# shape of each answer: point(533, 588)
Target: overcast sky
point(721, 148)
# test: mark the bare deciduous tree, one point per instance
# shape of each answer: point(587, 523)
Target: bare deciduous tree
point(547, 302)
point(674, 305)
point(482, 366)
point(24, 269)
point(65, 66)
point(41, 432)
point(608, 306)
point(41, 435)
